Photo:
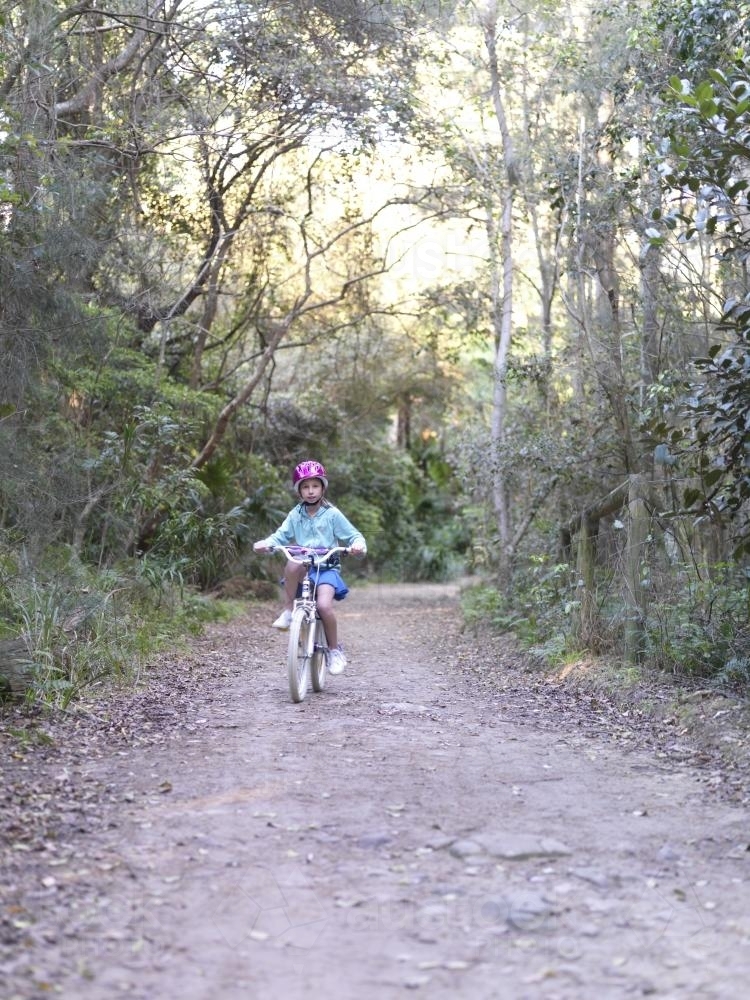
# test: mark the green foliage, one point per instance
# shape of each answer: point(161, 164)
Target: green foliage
point(486, 605)
point(119, 259)
point(81, 626)
point(702, 631)
point(414, 528)
point(190, 546)
point(711, 438)
point(538, 609)
point(405, 501)
point(266, 492)
point(702, 34)
point(144, 277)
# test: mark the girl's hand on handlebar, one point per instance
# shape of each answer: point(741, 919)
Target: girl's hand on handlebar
point(262, 547)
point(357, 550)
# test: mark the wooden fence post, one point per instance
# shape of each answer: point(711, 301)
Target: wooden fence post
point(586, 622)
point(16, 667)
point(636, 602)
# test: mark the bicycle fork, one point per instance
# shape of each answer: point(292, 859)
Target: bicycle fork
point(311, 620)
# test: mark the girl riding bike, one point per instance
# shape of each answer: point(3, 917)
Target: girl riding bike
point(315, 523)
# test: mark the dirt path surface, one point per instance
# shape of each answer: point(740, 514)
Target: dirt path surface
point(406, 831)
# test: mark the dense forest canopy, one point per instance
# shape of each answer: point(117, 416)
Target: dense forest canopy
point(487, 261)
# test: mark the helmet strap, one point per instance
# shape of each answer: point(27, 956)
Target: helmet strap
point(318, 503)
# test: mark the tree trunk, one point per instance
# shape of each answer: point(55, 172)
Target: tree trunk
point(502, 305)
point(650, 268)
point(502, 298)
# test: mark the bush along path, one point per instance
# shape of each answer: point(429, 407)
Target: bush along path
point(437, 821)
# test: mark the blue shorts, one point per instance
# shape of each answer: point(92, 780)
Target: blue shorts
point(330, 576)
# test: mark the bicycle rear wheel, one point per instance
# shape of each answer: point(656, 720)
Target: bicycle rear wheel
point(298, 660)
point(319, 662)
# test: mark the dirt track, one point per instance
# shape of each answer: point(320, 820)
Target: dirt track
point(403, 832)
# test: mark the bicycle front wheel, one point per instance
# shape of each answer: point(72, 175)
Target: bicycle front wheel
point(298, 661)
point(319, 663)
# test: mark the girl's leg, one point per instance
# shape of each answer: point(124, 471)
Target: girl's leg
point(327, 615)
point(293, 574)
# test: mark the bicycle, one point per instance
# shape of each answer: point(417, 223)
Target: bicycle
point(307, 658)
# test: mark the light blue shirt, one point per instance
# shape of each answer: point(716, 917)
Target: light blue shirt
point(329, 527)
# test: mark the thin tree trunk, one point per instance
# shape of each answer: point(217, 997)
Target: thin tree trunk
point(222, 421)
point(650, 267)
point(577, 310)
point(502, 296)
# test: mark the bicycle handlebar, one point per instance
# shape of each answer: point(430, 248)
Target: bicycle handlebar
point(315, 555)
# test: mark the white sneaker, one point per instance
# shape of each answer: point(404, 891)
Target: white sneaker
point(336, 660)
point(284, 620)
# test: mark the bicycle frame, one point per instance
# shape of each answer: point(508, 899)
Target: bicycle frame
point(306, 598)
point(312, 558)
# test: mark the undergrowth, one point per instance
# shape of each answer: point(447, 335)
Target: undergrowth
point(696, 633)
point(90, 627)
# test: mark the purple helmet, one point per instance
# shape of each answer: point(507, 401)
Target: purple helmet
point(309, 470)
